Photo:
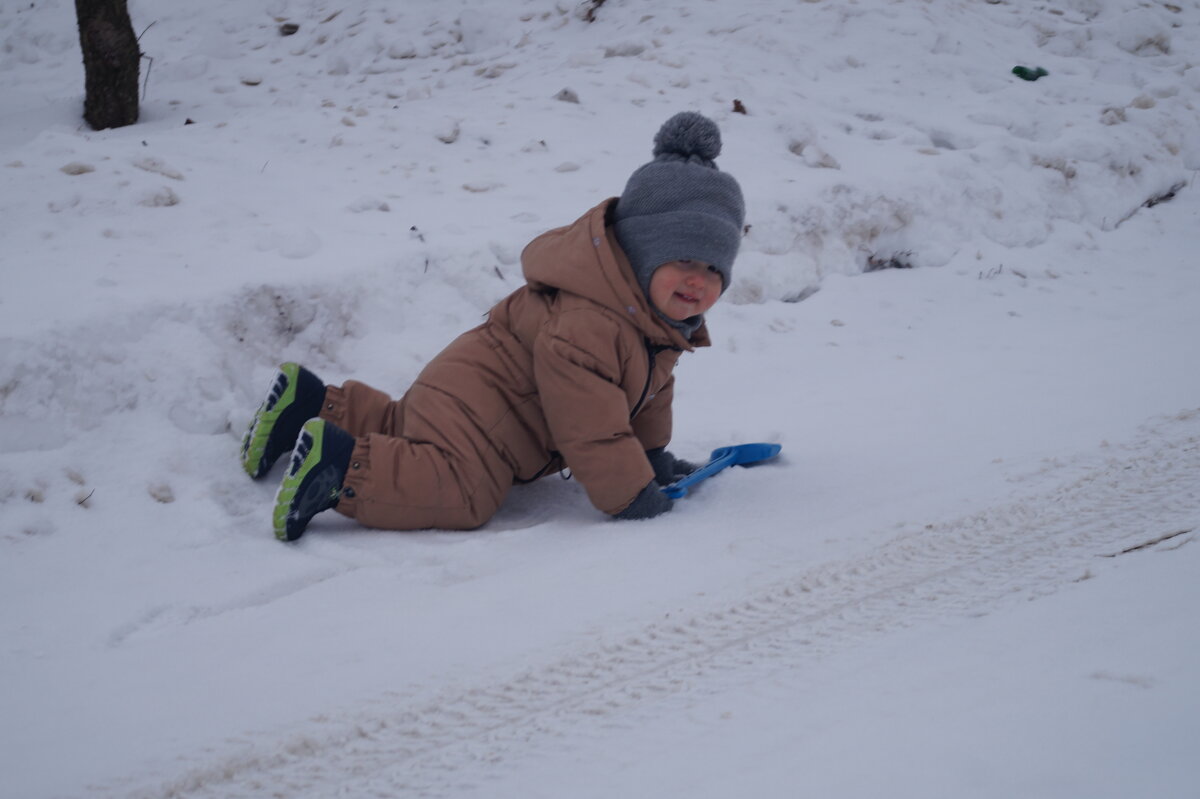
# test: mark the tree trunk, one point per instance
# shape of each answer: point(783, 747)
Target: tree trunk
point(110, 63)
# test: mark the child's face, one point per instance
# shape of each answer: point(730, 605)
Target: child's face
point(685, 288)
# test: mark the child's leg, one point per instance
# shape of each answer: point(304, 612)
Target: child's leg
point(398, 484)
point(360, 410)
point(417, 463)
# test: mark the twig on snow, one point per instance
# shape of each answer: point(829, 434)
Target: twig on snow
point(1150, 543)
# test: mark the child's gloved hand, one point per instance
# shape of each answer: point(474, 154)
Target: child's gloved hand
point(646, 505)
point(668, 468)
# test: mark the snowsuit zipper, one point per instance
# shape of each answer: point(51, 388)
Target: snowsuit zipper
point(652, 350)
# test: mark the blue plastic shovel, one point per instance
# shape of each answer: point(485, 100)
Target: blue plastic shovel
point(739, 455)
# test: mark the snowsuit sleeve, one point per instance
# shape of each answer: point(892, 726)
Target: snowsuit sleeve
point(584, 376)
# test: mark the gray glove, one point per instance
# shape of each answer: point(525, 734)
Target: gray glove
point(668, 468)
point(647, 504)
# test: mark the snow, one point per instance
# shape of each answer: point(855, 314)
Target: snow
point(928, 594)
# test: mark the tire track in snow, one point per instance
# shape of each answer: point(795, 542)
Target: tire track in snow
point(447, 743)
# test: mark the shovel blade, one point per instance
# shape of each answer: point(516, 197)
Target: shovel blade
point(747, 454)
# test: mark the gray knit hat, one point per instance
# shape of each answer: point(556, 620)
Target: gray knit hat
point(680, 206)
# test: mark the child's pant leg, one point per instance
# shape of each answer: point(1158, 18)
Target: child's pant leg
point(360, 410)
point(414, 465)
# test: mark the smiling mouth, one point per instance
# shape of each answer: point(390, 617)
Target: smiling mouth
point(688, 298)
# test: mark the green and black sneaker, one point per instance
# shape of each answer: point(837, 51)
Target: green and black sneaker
point(295, 397)
point(314, 477)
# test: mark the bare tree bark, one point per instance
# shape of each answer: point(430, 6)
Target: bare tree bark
point(110, 61)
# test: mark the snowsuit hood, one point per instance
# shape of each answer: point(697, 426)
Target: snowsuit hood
point(585, 259)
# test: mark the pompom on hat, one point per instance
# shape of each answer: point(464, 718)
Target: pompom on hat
point(680, 206)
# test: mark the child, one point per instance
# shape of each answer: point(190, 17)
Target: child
point(573, 370)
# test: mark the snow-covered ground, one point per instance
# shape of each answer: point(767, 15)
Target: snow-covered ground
point(939, 589)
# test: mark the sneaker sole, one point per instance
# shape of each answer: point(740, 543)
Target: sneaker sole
point(279, 399)
point(301, 463)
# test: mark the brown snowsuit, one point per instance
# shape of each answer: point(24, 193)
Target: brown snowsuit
point(574, 370)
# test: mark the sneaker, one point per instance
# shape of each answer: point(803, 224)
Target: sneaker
point(314, 477)
point(295, 397)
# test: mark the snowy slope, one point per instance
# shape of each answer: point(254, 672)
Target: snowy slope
point(913, 600)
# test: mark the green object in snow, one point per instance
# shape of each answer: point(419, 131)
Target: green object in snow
point(1025, 73)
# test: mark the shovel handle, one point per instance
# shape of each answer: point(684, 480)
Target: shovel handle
point(741, 455)
point(680, 487)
